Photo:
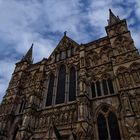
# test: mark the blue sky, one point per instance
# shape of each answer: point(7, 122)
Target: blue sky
point(42, 22)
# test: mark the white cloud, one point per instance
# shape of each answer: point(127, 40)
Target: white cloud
point(26, 22)
point(7, 67)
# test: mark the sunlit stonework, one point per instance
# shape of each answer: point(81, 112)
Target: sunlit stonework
point(81, 92)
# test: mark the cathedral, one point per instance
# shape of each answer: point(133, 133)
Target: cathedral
point(80, 92)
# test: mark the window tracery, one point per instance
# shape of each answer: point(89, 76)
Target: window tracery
point(107, 124)
point(60, 95)
point(102, 87)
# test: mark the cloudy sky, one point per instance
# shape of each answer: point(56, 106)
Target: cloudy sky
point(42, 22)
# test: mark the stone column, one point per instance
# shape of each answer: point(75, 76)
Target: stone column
point(83, 124)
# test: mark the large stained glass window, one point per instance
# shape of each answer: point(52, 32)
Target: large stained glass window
point(102, 127)
point(60, 95)
point(113, 127)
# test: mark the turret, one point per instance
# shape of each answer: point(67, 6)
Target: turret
point(14, 88)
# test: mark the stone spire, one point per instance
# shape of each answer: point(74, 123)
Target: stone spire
point(112, 18)
point(28, 56)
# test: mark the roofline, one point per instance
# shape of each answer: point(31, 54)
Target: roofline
point(95, 41)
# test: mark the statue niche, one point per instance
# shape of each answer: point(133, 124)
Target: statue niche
point(123, 44)
point(124, 78)
point(135, 71)
point(92, 59)
point(105, 54)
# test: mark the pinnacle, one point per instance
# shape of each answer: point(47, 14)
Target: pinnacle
point(112, 18)
point(28, 56)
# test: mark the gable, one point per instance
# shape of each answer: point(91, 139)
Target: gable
point(64, 48)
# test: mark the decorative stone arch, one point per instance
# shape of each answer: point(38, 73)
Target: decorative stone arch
point(94, 78)
point(110, 107)
point(134, 66)
point(120, 59)
point(95, 58)
point(59, 65)
point(105, 76)
point(123, 44)
point(121, 70)
point(109, 52)
point(92, 58)
point(95, 85)
point(124, 77)
point(107, 84)
point(89, 61)
point(104, 54)
point(70, 66)
point(135, 72)
point(106, 111)
point(91, 81)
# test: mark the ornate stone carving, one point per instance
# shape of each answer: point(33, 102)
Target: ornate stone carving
point(126, 104)
point(133, 128)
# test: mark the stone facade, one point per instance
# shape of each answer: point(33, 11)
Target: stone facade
point(105, 96)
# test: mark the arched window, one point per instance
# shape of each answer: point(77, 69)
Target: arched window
point(50, 91)
point(98, 88)
point(102, 127)
point(110, 86)
point(113, 127)
point(107, 124)
point(72, 84)
point(93, 90)
point(60, 95)
point(105, 89)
